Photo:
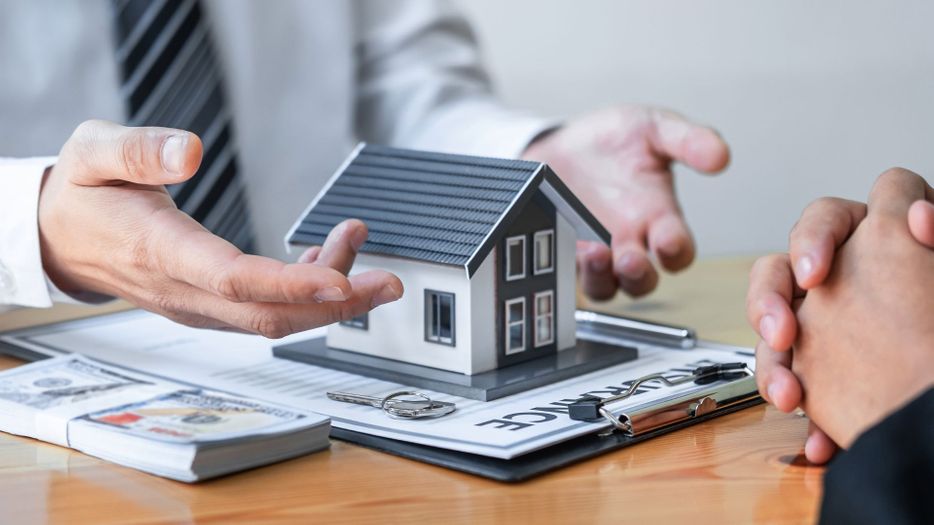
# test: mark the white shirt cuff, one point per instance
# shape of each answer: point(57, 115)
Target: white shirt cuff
point(22, 280)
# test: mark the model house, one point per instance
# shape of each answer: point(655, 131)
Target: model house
point(485, 248)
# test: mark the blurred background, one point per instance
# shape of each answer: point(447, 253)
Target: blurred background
point(815, 98)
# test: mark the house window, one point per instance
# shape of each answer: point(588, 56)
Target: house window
point(361, 322)
point(515, 258)
point(543, 250)
point(544, 318)
point(439, 317)
point(515, 325)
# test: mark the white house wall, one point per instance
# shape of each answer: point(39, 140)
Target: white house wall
point(566, 257)
point(483, 316)
point(397, 330)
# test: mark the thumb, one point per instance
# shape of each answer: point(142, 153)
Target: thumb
point(109, 153)
point(696, 146)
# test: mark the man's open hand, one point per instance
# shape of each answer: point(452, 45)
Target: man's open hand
point(618, 161)
point(108, 226)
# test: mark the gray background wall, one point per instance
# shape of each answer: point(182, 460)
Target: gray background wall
point(815, 98)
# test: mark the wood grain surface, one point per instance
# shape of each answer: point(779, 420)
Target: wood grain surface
point(742, 468)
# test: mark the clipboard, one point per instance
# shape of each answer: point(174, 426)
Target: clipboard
point(630, 427)
point(639, 424)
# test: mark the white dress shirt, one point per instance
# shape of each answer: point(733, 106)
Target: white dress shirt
point(306, 80)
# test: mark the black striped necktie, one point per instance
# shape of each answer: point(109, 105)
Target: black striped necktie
point(171, 78)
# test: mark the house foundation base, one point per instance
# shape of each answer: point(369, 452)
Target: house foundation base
point(587, 356)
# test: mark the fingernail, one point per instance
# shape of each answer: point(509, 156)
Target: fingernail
point(804, 267)
point(770, 393)
point(808, 453)
point(599, 265)
point(330, 294)
point(357, 239)
point(767, 328)
point(598, 262)
point(631, 266)
point(670, 249)
point(173, 153)
point(387, 295)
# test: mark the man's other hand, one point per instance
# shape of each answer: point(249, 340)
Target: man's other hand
point(618, 161)
point(108, 226)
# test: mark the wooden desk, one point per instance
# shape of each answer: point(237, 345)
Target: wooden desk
point(741, 468)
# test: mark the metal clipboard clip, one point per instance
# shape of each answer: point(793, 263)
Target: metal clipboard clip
point(688, 405)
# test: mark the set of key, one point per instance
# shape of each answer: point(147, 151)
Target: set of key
point(399, 405)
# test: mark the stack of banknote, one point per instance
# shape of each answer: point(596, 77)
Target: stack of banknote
point(166, 428)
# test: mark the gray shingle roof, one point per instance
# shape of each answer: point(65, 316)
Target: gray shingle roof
point(432, 207)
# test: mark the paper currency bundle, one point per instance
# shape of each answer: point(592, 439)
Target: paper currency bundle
point(144, 422)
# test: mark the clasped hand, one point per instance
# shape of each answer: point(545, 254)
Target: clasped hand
point(845, 318)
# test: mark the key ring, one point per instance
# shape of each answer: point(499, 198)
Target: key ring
point(394, 395)
point(390, 406)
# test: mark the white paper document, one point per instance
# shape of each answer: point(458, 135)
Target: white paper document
point(243, 364)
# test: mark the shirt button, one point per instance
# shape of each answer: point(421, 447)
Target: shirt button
point(7, 283)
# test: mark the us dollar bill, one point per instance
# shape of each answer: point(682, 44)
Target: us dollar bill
point(62, 381)
point(195, 415)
